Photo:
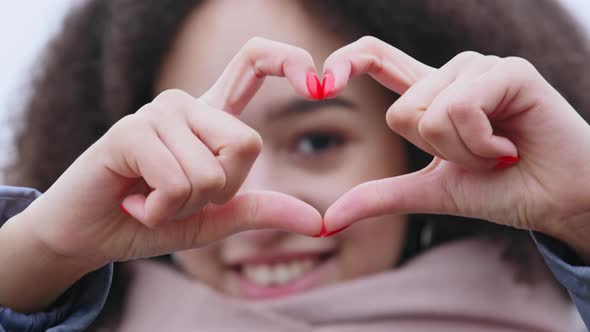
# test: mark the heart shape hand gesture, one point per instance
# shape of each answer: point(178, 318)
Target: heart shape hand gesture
point(177, 163)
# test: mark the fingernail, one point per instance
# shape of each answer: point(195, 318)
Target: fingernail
point(336, 231)
point(328, 85)
point(123, 209)
point(507, 161)
point(323, 231)
point(314, 86)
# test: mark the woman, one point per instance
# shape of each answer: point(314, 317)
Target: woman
point(314, 152)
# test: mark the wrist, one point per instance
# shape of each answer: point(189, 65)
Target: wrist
point(573, 231)
point(33, 276)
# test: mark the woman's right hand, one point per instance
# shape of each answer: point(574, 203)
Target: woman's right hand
point(165, 165)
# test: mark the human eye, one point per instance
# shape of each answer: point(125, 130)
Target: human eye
point(318, 143)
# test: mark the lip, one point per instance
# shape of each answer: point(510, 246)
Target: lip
point(275, 258)
point(250, 290)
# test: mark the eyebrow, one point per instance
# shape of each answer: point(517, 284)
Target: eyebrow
point(301, 106)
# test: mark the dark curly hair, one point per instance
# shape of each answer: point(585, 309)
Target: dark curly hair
point(103, 64)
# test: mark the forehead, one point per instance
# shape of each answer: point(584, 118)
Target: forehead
point(216, 30)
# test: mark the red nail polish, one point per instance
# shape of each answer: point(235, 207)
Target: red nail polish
point(314, 86)
point(336, 231)
point(123, 209)
point(328, 85)
point(507, 161)
point(323, 231)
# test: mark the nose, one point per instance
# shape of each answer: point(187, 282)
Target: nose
point(264, 175)
point(270, 172)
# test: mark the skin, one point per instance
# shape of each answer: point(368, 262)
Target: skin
point(193, 152)
point(472, 114)
point(368, 149)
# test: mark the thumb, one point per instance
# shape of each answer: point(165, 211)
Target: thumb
point(420, 192)
point(257, 210)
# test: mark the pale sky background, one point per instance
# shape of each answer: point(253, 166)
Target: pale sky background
point(25, 26)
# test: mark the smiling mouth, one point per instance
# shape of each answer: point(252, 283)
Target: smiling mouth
point(280, 275)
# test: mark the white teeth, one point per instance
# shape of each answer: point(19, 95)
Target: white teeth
point(279, 274)
point(259, 274)
point(296, 268)
point(282, 274)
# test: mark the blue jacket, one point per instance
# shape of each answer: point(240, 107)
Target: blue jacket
point(82, 303)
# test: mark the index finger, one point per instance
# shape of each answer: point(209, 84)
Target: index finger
point(245, 73)
point(388, 65)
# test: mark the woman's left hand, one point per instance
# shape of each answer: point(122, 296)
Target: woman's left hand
point(508, 147)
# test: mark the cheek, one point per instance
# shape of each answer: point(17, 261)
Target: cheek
point(371, 246)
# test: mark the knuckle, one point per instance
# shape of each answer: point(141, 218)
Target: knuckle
point(393, 116)
point(147, 108)
point(252, 46)
point(517, 61)
point(403, 105)
point(255, 42)
point(253, 210)
point(429, 129)
point(176, 187)
point(156, 115)
point(493, 58)
point(371, 45)
point(150, 110)
point(369, 41)
point(461, 109)
point(380, 195)
point(173, 96)
point(129, 128)
point(398, 118)
point(124, 123)
point(249, 142)
point(466, 56)
point(248, 53)
point(518, 71)
point(518, 64)
point(211, 181)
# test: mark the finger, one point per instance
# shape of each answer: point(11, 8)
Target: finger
point(256, 210)
point(388, 65)
point(442, 133)
point(405, 124)
point(419, 192)
point(246, 71)
point(203, 171)
point(261, 209)
point(475, 129)
point(496, 91)
point(405, 115)
point(161, 171)
point(493, 97)
point(232, 143)
point(235, 145)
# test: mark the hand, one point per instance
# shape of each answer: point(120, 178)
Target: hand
point(166, 163)
point(175, 166)
point(508, 147)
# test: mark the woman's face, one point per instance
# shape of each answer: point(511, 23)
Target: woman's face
point(314, 151)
